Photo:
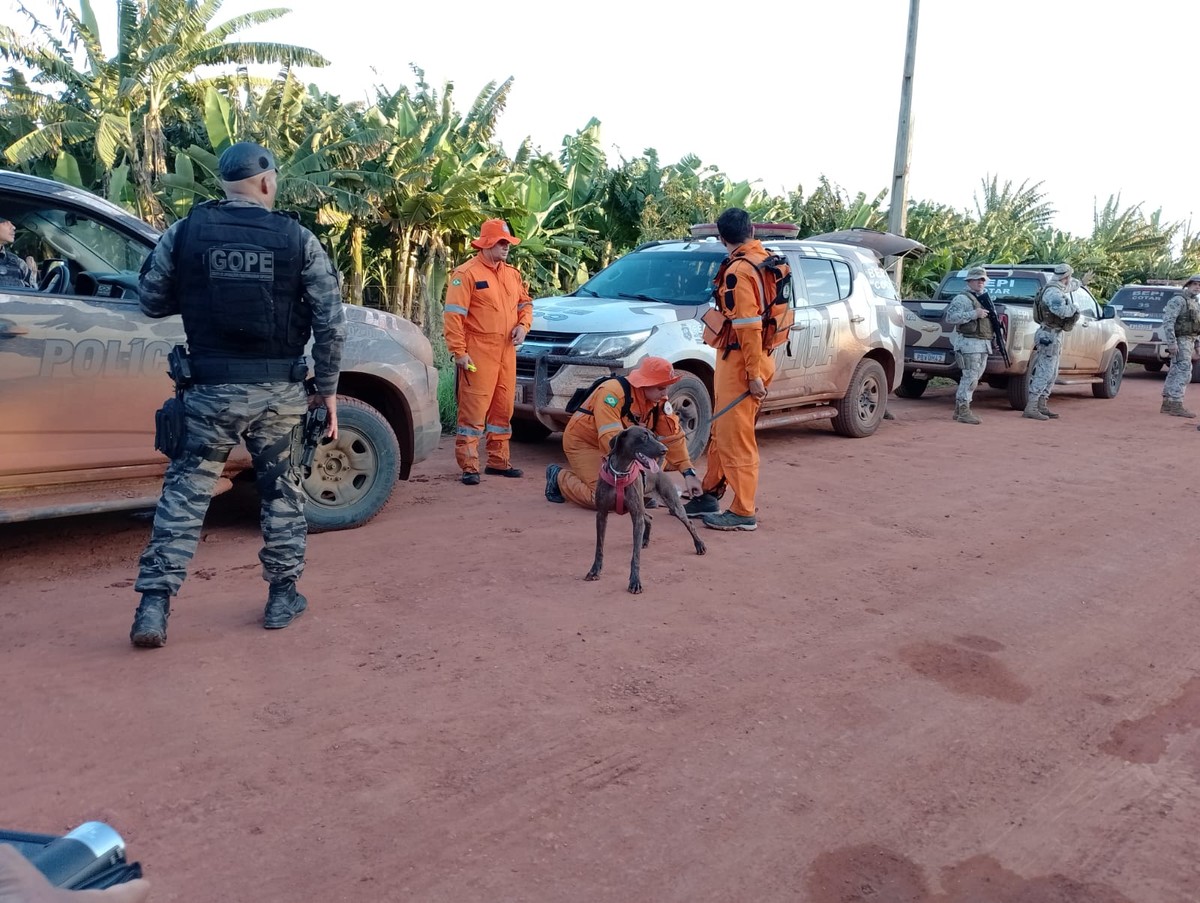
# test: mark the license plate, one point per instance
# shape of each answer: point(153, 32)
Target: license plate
point(929, 357)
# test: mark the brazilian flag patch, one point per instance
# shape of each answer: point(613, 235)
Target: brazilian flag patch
point(610, 400)
point(456, 282)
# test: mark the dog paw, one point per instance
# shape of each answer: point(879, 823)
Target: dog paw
point(592, 575)
point(701, 548)
point(635, 586)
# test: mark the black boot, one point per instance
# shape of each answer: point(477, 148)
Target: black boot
point(150, 621)
point(284, 605)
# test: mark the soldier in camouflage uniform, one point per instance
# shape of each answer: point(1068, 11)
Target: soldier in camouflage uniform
point(972, 340)
point(14, 272)
point(1181, 323)
point(252, 286)
point(1055, 313)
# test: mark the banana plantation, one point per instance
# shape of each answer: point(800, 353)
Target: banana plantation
point(397, 188)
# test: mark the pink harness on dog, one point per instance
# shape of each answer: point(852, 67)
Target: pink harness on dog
point(620, 480)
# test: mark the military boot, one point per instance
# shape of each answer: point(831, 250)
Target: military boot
point(1178, 410)
point(1166, 406)
point(284, 605)
point(962, 413)
point(1032, 412)
point(1044, 407)
point(150, 621)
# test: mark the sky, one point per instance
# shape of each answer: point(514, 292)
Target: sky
point(1059, 92)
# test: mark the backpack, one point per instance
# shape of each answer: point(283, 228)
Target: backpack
point(775, 281)
point(579, 396)
point(1043, 314)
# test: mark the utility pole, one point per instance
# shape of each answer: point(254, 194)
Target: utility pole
point(898, 214)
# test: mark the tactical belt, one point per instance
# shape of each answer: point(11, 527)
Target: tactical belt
point(216, 371)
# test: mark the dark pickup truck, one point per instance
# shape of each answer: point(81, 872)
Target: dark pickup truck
point(1094, 352)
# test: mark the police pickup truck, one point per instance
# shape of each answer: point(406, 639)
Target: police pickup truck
point(842, 358)
point(82, 371)
point(1094, 351)
point(1140, 308)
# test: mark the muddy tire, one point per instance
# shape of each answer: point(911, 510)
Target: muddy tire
point(1018, 389)
point(911, 387)
point(353, 475)
point(1112, 378)
point(860, 412)
point(693, 406)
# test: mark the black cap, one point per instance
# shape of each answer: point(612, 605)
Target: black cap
point(244, 160)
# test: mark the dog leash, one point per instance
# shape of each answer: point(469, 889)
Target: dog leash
point(732, 404)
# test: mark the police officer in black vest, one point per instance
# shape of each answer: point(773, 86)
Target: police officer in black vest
point(252, 285)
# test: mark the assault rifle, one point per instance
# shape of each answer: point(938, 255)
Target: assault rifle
point(997, 327)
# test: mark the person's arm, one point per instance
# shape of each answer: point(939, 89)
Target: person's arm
point(524, 311)
point(606, 404)
point(1170, 314)
point(746, 318)
point(29, 272)
point(156, 284)
point(454, 316)
point(324, 298)
point(961, 310)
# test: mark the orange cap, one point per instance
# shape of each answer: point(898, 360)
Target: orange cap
point(492, 231)
point(653, 371)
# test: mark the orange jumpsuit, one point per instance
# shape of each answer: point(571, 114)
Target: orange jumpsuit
point(483, 306)
point(588, 436)
point(733, 449)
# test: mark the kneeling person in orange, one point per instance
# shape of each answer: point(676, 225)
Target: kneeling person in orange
point(488, 314)
point(743, 372)
point(617, 403)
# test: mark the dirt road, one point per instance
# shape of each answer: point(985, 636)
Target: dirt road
point(955, 664)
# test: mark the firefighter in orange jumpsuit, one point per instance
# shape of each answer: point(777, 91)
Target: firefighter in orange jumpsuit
point(743, 369)
point(608, 410)
point(488, 314)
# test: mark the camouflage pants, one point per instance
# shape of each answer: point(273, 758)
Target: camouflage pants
point(1043, 365)
point(972, 368)
point(1180, 373)
point(218, 418)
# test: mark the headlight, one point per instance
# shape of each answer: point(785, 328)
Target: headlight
point(600, 344)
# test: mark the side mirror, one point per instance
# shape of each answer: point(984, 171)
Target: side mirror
point(1108, 312)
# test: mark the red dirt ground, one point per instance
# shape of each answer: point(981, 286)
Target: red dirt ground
point(955, 664)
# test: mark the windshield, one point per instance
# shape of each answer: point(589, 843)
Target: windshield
point(1148, 301)
point(93, 245)
point(999, 288)
point(673, 277)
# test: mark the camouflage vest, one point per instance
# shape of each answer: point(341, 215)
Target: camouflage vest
point(1188, 321)
point(976, 329)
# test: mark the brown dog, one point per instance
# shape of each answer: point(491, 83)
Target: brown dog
point(634, 448)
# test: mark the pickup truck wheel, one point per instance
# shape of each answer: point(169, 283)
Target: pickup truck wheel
point(911, 387)
point(1195, 371)
point(1018, 389)
point(1157, 366)
point(1112, 378)
point(353, 475)
point(529, 431)
point(689, 398)
point(861, 410)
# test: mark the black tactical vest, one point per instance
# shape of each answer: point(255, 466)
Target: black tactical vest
point(238, 279)
point(11, 267)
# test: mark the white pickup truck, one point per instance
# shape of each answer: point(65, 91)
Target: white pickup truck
point(843, 357)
